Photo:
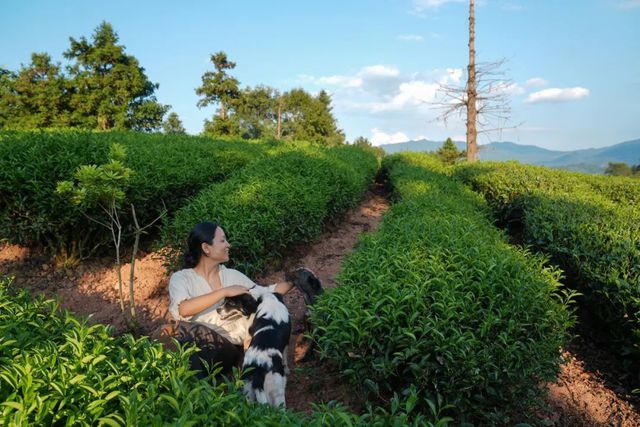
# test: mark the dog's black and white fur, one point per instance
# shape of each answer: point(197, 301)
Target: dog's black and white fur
point(265, 361)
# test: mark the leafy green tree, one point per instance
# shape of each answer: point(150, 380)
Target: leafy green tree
point(109, 88)
point(363, 142)
point(222, 127)
point(256, 112)
point(36, 97)
point(7, 97)
point(222, 89)
point(618, 169)
point(449, 153)
point(326, 123)
point(635, 169)
point(309, 118)
point(173, 124)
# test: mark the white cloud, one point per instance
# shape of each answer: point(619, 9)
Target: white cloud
point(383, 88)
point(337, 80)
point(410, 94)
point(410, 38)
point(510, 88)
point(451, 76)
point(535, 82)
point(343, 81)
point(629, 4)
point(557, 95)
point(379, 71)
point(421, 5)
point(379, 137)
point(380, 79)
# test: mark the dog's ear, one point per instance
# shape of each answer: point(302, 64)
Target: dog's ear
point(249, 304)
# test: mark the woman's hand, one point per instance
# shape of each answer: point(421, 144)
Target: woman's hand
point(234, 290)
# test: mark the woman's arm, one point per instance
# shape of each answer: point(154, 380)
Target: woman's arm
point(191, 306)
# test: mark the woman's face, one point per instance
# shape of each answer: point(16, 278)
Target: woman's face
point(218, 251)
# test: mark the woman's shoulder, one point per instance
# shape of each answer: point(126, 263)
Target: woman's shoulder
point(231, 276)
point(229, 272)
point(181, 275)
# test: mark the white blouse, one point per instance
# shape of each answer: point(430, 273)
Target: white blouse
point(186, 284)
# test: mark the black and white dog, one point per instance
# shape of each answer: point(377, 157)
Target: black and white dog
point(265, 361)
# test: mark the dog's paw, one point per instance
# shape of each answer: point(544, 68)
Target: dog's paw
point(308, 283)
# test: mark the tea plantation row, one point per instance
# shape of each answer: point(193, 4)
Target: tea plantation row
point(281, 200)
point(590, 225)
point(56, 370)
point(437, 302)
point(166, 169)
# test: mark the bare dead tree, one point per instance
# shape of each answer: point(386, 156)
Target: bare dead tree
point(472, 92)
point(485, 98)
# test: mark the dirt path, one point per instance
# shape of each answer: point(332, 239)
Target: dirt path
point(584, 395)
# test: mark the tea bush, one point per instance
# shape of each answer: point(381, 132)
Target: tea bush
point(166, 169)
point(590, 225)
point(599, 242)
point(503, 182)
point(437, 300)
point(275, 202)
point(57, 370)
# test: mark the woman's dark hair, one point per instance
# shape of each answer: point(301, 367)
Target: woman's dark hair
point(201, 233)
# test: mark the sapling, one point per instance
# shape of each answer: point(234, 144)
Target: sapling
point(105, 187)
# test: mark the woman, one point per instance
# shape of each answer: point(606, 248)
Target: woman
point(198, 289)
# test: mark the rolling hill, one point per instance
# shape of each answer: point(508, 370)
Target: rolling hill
point(591, 160)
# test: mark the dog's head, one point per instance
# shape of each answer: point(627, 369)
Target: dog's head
point(240, 305)
point(308, 283)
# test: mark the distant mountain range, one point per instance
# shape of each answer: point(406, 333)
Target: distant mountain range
point(591, 160)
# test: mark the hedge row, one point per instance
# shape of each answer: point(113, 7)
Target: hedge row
point(56, 370)
point(437, 300)
point(589, 231)
point(273, 203)
point(166, 169)
point(503, 182)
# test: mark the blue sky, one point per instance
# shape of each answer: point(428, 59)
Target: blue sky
point(574, 64)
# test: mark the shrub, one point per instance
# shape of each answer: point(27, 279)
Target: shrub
point(599, 242)
point(437, 300)
point(276, 202)
point(589, 224)
point(503, 182)
point(165, 169)
point(56, 370)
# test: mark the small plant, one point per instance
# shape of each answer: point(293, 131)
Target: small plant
point(105, 187)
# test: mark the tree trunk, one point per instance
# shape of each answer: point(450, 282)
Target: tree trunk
point(279, 128)
point(472, 133)
point(103, 122)
point(223, 112)
point(132, 275)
